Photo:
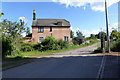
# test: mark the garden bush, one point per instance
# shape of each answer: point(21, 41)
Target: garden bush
point(7, 47)
point(115, 46)
point(38, 47)
point(63, 44)
point(50, 43)
point(98, 50)
point(19, 56)
point(77, 41)
point(26, 47)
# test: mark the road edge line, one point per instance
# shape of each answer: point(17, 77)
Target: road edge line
point(100, 72)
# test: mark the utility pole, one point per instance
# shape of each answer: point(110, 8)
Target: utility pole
point(100, 37)
point(108, 42)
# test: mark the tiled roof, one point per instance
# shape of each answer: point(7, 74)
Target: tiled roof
point(50, 22)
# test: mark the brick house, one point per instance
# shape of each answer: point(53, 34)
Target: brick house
point(57, 28)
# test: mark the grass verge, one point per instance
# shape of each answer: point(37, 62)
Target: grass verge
point(28, 56)
point(37, 53)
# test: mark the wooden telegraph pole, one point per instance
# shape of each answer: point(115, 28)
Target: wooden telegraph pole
point(108, 41)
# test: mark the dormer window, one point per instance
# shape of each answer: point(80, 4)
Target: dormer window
point(40, 29)
point(59, 23)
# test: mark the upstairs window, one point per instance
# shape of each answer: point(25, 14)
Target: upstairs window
point(40, 39)
point(40, 29)
point(50, 29)
point(65, 38)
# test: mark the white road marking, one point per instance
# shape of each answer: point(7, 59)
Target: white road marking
point(101, 70)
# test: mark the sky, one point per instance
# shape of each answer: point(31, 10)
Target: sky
point(88, 17)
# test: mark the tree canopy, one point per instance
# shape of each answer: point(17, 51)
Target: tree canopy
point(71, 34)
point(12, 31)
point(28, 31)
point(1, 14)
point(79, 34)
point(114, 35)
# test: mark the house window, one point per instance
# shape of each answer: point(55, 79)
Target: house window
point(50, 29)
point(65, 38)
point(40, 39)
point(40, 29)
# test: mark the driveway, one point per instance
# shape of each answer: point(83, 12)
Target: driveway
point(81, 51)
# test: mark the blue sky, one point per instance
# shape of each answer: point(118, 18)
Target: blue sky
point(82, 18)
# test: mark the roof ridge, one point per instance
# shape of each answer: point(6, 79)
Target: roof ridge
point(50, 19)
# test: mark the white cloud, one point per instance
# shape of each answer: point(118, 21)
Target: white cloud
point(77, 29)
point(84, 8)
point(113, 26)
point(116, 24)
point(86, 33)
point(72, 28)
point(22, 18)
point(96, 5)
point(23, 34)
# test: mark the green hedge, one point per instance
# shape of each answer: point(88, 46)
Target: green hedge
point(50, 43)
point(63, 44)
point(115, 46)
point(7, 47)
point(26, 47)
point(38, 47)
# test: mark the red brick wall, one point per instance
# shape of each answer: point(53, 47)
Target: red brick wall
point(27, 39)
point(57, 32)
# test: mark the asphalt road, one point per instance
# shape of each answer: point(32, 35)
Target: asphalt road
point(70, 66)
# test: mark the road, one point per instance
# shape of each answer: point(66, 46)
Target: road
point(79, 63)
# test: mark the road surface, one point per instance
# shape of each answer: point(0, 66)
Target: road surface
point(79, 63)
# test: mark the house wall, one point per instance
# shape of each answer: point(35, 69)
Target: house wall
point(27, 39)
point(57, 32)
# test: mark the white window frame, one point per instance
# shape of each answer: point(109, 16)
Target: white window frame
point(40, 29)
point(65, 38)
point(41, 39)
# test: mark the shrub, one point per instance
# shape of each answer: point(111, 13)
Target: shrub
point(98, 50)
point(17, 52)
point(77, 40)
point(71, 43)
point(19, 56)
point(115, 46)
point(50, 43)
point(38, 47)
point(63, 44)
point(26, 47)
point(7, 47)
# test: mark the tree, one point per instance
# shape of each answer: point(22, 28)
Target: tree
point(12, 31)
point(71, 34)
point(114, 35)
point(92, 36)
point(6, 50)
point(79, 34)
point(77, 40)
point(28, 31)
point(97, 36)
point(102, 34)
point(1, 14)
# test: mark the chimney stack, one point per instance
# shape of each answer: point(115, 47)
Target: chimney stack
point(34, 15)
